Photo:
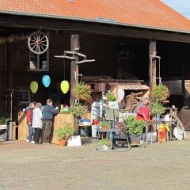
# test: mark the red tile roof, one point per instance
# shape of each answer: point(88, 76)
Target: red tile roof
point(141, 13)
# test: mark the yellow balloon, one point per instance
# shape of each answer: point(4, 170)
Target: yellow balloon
point(64, 86)
point(33, 87)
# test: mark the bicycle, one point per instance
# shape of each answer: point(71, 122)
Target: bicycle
point(177, 130)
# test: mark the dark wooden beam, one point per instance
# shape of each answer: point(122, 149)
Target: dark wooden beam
point(37, 23)
point(74, 68)
point(152, 64)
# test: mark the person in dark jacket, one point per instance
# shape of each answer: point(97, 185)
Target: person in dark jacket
point(48, 112)
point(29, 114)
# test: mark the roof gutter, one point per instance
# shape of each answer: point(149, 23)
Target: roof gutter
point(96, 20)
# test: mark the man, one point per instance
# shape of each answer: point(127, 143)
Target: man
point(142, 110)
point(48, 112)
point(29, 114)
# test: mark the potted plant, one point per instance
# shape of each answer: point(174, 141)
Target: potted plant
point(159, 95)
point(82, 91)
point(64, 132)
point(105, 125)
point(79, 110)
point(134, 128)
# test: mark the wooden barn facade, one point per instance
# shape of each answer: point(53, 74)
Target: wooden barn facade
point(120, 36)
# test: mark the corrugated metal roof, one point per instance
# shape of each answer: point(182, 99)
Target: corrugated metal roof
point(140, 13)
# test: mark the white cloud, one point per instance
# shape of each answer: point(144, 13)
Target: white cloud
point(181, 6)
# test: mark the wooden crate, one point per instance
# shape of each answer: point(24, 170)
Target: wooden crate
point(22, 126)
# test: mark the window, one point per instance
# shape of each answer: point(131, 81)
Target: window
point(39, 62)
point(24, 96)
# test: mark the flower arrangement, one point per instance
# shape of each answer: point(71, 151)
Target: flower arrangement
point(82, 91)
point(160, 93)
point(79, 110)
point(120, 125)
point(105, 125)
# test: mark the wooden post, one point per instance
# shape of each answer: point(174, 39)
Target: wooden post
point(152, 68)
point(152, 65)
point(74, 68)
point(74, 74)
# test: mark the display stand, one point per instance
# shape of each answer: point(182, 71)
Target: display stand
point(111, 115)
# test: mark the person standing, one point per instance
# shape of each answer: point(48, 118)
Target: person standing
point(142, 109)
point(48, 113)
point(29, 115)
point(37, 122)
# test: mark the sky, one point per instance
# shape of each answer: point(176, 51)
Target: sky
point(181, 6)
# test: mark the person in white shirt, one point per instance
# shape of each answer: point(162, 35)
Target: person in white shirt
point(37, 122)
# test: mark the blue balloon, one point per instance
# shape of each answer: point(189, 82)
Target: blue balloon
point(46, 80)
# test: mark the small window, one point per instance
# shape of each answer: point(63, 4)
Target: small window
point(39, 62)
point(24, 96)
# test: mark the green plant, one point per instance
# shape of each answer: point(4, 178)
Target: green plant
point(134, 126)
point(157, 108)
point(160, 93)
point(79, 110)
point(3, 119)
point(110, 97)
point(105, 124)
point(106, 142)
point(65, 131)
point(82, 91)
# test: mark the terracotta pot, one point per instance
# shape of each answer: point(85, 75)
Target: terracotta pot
point(105, 128)
point(62, 142)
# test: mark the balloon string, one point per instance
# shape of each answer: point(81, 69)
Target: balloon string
point(64, 68)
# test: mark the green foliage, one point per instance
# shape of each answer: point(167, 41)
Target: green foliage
point(157, 108)
point(83, 91)
point(3, 119)
point(160, 93)
point(79, 110)
point(106, 142)
point(110, 97)
point(105, 124)
point(134, 126)
point(65, 131)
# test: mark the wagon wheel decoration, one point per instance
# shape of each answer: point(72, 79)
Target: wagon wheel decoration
point(38, 42)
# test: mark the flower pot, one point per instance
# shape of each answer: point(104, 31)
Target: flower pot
point(134, 139)
point(62, 142)
point(105, 128)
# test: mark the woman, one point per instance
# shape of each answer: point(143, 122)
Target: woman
point(37, 122)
